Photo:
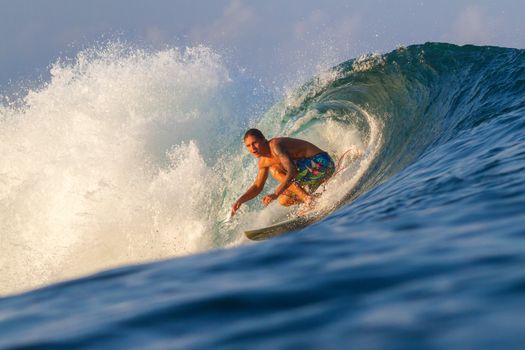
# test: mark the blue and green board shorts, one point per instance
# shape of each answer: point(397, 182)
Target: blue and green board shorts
point(313, 171)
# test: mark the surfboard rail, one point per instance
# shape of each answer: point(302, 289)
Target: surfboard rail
point(282, 227)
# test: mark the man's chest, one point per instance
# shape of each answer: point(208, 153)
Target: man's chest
point(267, 162)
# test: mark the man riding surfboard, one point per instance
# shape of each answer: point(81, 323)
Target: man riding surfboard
point(298, 165)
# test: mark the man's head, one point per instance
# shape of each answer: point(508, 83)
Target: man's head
point(256, 143)
point(254, 132)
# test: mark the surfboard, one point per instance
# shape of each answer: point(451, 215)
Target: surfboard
point(280, 228)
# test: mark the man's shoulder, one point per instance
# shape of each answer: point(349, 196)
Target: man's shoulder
point(277, 143)
point(274, 141)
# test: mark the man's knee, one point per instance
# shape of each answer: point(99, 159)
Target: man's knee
point(286, 201)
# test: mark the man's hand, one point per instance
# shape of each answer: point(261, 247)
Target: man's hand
point(269, 198)
point(235, 207)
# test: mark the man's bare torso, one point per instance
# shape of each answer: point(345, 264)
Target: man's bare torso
point(295, 148)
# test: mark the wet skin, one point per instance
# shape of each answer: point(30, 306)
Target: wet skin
point(276, 157)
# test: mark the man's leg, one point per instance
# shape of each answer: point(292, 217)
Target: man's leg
point(287, 199)
point(293, 194)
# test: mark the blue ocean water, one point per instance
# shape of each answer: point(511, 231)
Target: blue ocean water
point(426, 252)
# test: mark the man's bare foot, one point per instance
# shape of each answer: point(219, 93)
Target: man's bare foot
point(308, 206)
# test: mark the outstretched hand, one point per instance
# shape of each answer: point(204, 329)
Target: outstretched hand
point(235, 207)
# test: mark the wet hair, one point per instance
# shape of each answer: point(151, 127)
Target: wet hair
point(254, 132)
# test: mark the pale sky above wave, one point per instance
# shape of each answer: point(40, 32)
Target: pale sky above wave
point(271, 39)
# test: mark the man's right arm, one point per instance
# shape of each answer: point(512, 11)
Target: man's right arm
point(253, 191)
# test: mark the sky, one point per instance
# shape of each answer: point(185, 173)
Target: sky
point(273, 40)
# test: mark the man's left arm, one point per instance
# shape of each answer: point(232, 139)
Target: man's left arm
point(289, 167)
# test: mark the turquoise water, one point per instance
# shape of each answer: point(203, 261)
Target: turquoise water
point(426, 252)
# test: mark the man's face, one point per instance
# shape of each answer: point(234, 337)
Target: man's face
point(254, 145)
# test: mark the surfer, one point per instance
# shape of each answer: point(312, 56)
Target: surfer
point(298, 165)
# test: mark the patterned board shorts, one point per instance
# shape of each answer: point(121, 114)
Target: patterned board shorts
point(313, 171)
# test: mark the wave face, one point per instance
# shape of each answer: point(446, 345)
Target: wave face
point(424, 247)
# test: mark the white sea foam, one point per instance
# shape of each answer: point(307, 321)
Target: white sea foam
point(109, 163)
